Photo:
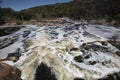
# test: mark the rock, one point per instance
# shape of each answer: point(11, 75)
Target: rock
point(92, 62)
point(8, 30)
point(104, 43)
point(8, 72)
point(87, 56)
point(43, 72)
point(114, 76)
point(79, 79)
point(14, 56)
point(94, 47)
point(114, 43)
point(118, 40)
point(78, 58)
point(118, 53)
point(74, 49)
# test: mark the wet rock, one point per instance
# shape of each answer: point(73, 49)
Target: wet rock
point(26, 33)
point(43, 72)
point(87, 56)
point(92, 62)
point(94, 47)
point(118, 53)
point(15, 56)
point(114, 76)
point(79, 79)
point(78, 58)
point(84, 46)
point(9, 73)
point(8, 30)
point(104, 43)
point(103, 63)
point(8, 41)
point(114, 43)
point(65, 35)
point(74, 49)
point(87, 34)
point(77, 25)
point(71, 28)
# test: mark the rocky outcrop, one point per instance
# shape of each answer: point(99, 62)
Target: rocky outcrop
point(8, 72)
point(43, 72)
point(114, 76)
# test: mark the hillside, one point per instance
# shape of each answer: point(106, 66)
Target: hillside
point(79, 9)
point(76, 9)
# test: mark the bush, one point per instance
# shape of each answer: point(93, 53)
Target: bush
point(2, 21)
point(19, 22)
point(117, 18)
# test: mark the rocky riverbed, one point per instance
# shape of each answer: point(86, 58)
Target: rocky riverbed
point(78, 51)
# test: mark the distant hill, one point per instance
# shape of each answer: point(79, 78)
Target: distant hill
point(87, 9)
point(6, 14)
point(76, 9)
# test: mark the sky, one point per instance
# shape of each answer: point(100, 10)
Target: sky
point(24, 4)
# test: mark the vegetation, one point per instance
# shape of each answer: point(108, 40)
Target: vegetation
point(2, 21)
point(76, 9)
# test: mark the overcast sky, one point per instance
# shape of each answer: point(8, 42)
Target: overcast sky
point(24, 4)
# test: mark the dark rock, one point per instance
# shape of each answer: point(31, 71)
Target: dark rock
point(71, 28)
point(74, 49)
point(78, 58)
point(104, 43)
point(84, 46)
point(8, 41)
point(94, 47)
point(43, 72)
point(118, 53)
point(14, 56)
point(87, 34)
point(77, 25)
point(8, 30)
point(54, 33)
point(92, 62)
point(113, 42)
point(26, 33)
point(65, 35)
point(79, 79)
point(83, 51)
point(103, 63)
point(114, 76)
point(87, 56)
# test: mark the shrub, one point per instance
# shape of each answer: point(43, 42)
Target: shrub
point(2, 21)
point(19, 22)
point(117, 18)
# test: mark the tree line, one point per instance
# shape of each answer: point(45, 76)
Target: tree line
point(76, 9)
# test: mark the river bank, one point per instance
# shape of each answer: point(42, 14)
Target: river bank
point(63, 22)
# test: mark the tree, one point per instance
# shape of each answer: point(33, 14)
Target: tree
point(117, 18)
point(2, 21)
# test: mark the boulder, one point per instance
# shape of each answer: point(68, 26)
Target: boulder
point(8, 72)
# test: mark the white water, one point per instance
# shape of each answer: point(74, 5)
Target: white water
point(52, 46)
